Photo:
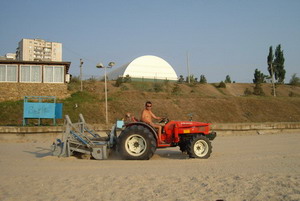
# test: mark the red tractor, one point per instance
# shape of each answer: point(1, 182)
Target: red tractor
point(139, 141)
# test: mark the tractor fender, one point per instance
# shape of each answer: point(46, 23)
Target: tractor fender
point(144, 125)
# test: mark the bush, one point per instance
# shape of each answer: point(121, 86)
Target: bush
point(221, 85)
point(72, 87)
point(75, 79)
point(258, 91)
point(158, 87)
point(127, 79)
point(176, 90)
point(92, 79)
point(247, 92)
point(192, 84)
point(295, 81)
point(74, 84)
point(291, 94)
point(121, 80)
point(124, 88)
point(166, 82)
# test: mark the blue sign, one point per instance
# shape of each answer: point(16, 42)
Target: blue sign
point(41, 110)
point(58, 111)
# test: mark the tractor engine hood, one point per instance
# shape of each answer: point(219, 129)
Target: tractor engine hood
point(186, 124)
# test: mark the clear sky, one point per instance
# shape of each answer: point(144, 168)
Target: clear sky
point(222, 37)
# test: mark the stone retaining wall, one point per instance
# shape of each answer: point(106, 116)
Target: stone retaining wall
point(256, 128)
point(48, 133)
point(17, 91)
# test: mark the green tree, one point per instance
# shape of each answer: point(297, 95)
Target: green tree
point(202, 79)
point(227, 79)
point(279, 65)
point(271, 69)
point(270, 61)
point(259, 77)
point(127, 79)
point(181, 79)
point(121, 80)
point(276, 65)
point(192, 79)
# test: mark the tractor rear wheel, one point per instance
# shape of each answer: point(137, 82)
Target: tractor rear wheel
point(199, 147)
point(136, 143)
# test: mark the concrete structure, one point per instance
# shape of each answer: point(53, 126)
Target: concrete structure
point(145, 68)
point(9, 56)
point(39, 50)
point(33, 78)
point(9, 133)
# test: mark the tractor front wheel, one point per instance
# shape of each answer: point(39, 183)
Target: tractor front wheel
point(199, 147)
point(136, 143)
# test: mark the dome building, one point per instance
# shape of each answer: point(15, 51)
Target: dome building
point(145, 68)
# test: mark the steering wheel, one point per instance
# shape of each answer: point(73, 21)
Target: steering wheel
point(164, 120)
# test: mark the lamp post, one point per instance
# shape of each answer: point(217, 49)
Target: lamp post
point(100, 65)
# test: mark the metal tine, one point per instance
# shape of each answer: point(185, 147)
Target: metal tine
point(77, 129)
point(86, 127)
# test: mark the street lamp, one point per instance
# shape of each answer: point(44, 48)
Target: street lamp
point(100, 65)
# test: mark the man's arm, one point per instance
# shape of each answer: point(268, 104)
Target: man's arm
point(155, 117)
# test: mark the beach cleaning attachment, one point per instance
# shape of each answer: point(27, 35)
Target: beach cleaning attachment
point(79, 139)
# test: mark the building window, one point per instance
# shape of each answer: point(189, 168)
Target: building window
point(31, 73)
point(54, 74)
point(8, 73)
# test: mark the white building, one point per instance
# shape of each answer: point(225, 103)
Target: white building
point(145, 68)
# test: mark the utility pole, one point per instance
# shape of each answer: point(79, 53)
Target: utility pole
point(188, 67)
point(81, 87)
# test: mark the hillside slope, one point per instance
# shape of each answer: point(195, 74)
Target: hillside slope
point(205, 102)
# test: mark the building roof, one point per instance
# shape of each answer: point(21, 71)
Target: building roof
point(65, 63)
point(145, 67)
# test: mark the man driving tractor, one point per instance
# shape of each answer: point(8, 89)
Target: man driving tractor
point(147, 116)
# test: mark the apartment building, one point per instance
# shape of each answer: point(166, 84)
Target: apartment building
point(39, 50)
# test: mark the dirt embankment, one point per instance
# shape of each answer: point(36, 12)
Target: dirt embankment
point(205, 102)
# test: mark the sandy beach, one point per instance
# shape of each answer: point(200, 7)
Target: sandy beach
point(252, 167)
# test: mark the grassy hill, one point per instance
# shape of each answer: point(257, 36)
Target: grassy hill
point(205, 102)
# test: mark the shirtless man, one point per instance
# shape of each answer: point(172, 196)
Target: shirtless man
point(147, 116)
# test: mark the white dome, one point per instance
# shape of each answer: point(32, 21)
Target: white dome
point(145, 67)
